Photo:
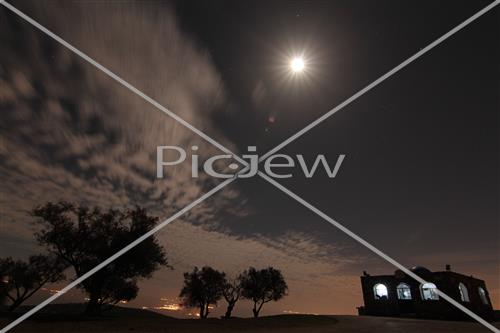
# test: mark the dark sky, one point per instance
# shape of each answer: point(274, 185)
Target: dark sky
point(420, 177)
point(421, 172)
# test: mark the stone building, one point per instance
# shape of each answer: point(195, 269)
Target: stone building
point(399, 295)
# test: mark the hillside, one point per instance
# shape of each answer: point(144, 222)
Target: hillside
point(135, 320)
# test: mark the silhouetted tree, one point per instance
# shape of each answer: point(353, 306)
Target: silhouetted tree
point(262, 286)
point(21, 279)
point(202, 288)
point(232, 293)
point(84, 237)
point(4, 280)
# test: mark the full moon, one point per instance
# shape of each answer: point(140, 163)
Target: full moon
point(297, 65)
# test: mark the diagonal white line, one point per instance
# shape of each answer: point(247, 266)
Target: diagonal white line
point(373, 249)
point(381, 79)
point(215, 143)
point(121, 81)
point(116, 255)
point(158, 106)
point(341, 106)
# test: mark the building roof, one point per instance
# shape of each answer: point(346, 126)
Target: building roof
point(421, 271)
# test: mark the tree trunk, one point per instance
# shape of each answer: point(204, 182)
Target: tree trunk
point(202, 311)
point(93, 306)
point(206, 310)
point(15, 304)
point(229, 310)
point(256, 309)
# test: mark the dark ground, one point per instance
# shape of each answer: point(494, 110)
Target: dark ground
point(134, 320)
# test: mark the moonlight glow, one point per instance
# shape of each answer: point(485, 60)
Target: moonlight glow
point(297, 65)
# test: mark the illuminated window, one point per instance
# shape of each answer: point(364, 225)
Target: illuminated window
point(464, 294)
point(404, 291)
point(429, 291)
point(482, 295)
point(380, 291)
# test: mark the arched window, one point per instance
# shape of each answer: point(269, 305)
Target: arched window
point(429, 292)
point(380, 291)
point(464, 294)
point(404, 291)
point(482, 295)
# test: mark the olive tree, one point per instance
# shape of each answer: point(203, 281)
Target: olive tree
point(83, 237)
point(262, 286)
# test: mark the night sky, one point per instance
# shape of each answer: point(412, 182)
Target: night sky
point(419, 180)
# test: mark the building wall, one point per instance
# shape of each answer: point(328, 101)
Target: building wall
point(447, 282)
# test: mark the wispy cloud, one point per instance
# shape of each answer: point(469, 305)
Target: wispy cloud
point(317, 284)
point(69, 132)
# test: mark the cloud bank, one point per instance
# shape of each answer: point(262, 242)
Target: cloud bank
point(70, 132)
